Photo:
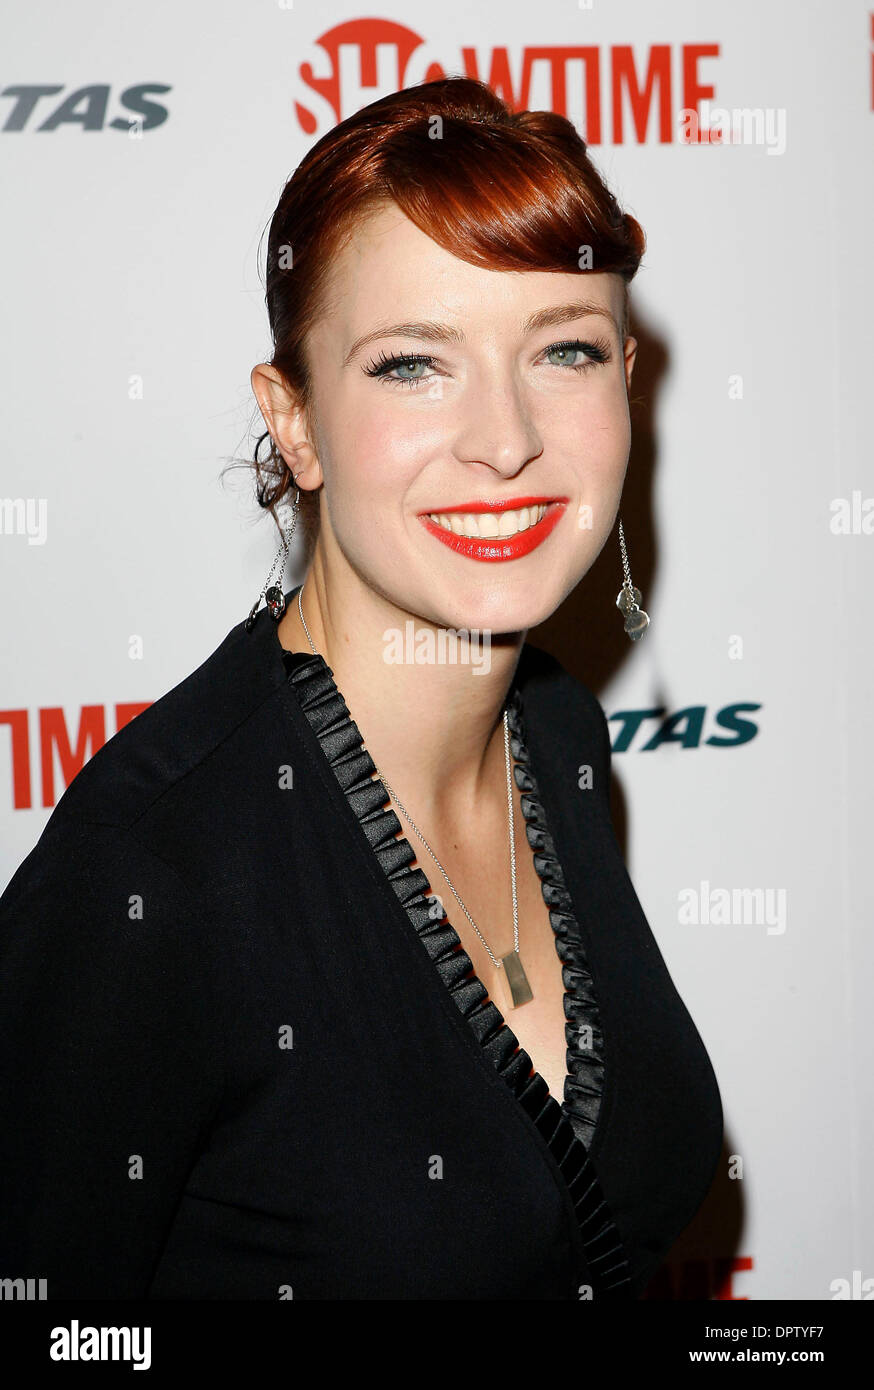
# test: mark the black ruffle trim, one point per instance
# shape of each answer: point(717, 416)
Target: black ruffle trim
point(566, 1128)
point(585, 1051)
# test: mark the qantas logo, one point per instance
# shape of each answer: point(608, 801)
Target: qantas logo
point(42, 107)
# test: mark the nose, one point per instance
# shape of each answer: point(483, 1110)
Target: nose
point(495, 426)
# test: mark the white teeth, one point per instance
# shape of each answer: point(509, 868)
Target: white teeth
point(488, 524)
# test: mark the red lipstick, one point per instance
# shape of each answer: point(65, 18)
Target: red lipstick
point(491, 548)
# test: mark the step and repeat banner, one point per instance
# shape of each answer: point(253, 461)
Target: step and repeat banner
point(143, 151)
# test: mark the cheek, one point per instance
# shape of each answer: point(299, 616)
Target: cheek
point(595, 439)
point(592, 444)
point(371, 457)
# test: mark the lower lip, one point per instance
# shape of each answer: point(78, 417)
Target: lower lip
point(492, 548)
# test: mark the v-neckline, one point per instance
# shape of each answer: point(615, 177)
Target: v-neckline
point(340, 742)
point(515, 704)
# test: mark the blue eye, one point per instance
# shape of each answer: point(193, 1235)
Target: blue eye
point(406, 362)
point(385, 364)
point(595, 352)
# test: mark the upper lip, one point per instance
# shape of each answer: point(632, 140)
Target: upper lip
point(494, 504)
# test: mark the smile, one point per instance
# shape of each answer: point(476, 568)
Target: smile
point(496, 531)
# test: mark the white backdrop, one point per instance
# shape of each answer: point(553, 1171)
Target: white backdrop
point(133, 313)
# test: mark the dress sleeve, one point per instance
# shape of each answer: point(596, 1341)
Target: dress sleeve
point(113, 1060)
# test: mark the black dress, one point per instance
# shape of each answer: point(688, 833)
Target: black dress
point(247, 1055)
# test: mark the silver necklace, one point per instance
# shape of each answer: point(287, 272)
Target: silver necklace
point(520, 989)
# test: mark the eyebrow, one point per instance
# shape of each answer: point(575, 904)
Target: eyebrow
point(444, 333)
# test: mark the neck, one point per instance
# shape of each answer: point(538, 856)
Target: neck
point(433, 728)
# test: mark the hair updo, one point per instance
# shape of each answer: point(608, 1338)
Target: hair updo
point(499, 189)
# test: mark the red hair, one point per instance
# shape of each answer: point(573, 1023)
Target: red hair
point(500, 189)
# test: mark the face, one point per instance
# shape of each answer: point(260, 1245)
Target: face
point(476, 397)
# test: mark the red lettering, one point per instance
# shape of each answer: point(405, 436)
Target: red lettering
point(53, 734)
point(692, 89)
point(125, 713)
point(624, 76)
point(20, 741)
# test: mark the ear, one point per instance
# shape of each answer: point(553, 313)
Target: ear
point(285, 419)
point(630, 354)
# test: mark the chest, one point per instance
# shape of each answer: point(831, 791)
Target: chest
point(539, 1025)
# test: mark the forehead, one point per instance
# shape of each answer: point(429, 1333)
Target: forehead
point(388, 269)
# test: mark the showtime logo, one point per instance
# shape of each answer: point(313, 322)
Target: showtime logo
point(53, 739)
point(696, 1279)
point(593, 86)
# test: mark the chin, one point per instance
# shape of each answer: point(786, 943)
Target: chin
point(499, 607)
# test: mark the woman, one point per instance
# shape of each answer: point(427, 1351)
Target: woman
point(333, 995)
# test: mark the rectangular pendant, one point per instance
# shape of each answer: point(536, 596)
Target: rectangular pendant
point(520, 989)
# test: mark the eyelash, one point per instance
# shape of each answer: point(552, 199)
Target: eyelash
point(599, 352)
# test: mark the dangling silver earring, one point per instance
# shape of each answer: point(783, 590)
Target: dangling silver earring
point(628, 600)
point(272, 592)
